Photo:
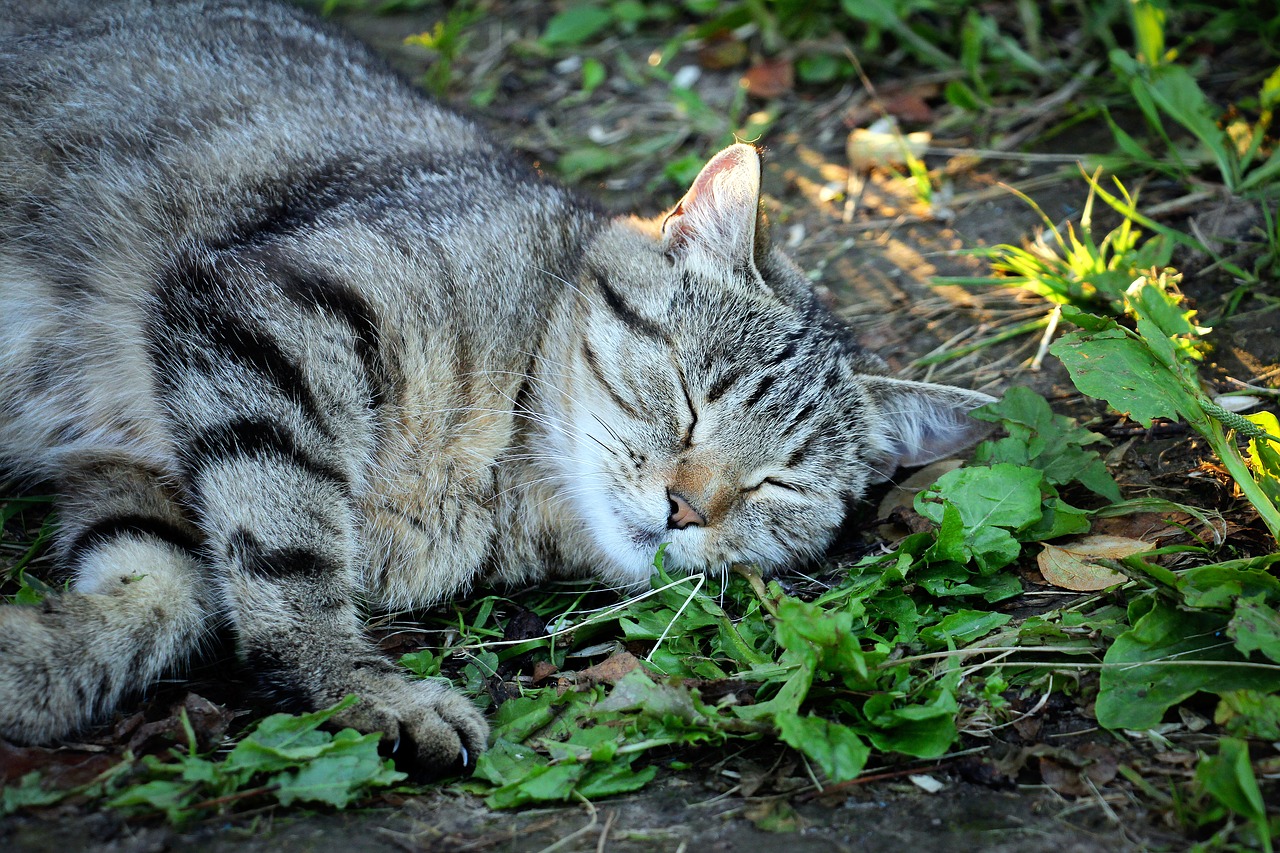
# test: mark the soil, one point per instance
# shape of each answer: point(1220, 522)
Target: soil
point(877, 265)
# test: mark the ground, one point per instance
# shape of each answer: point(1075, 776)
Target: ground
point(1013, 788)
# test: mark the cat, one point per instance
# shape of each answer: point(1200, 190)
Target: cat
point(295, 342)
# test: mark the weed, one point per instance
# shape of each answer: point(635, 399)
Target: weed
point(1074, 268)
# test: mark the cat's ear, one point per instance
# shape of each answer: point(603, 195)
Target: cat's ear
point(718, 223)
point(923, 422)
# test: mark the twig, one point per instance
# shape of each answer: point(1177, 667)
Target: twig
point(577, 833)
point(604, 833)
point(1047, 338)
point(841, 787)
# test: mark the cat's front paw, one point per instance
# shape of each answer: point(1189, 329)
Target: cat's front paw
point(428, 728)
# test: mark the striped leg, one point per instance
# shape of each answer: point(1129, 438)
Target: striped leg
point(268, 415)
point(138, 608)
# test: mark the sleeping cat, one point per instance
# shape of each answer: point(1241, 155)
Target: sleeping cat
point(295, 342)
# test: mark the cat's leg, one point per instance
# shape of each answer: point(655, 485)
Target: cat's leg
point(137, 608)
point(283, 527)
point(272, 411)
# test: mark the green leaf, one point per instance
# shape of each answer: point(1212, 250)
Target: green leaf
point(593, 74)
point(617, 777)
point(575, 25)
point(1256, 627)
point(836, 748)
point(520, 717)
point(962, 627)
point(1228, 778)
point(350, 765)
point(923, 730)
point(1002, 495)
point(506, 762)
point(542, 784)
point(959, 94)
point(1249, 714)
point(162, 795)
point(1167, 656)
point(28, 793)
point(1111, 365)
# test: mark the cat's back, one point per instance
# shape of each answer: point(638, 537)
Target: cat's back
point(141, 141)
point(180, 115)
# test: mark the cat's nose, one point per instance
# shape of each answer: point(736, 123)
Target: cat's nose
point(682, 513)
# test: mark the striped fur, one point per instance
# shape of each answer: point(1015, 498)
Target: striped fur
point(294, 341)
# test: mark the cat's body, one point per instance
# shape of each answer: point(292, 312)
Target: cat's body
point(292, 340)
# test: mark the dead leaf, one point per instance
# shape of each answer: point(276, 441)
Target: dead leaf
point(1102, 764)
point(909, 106)
point(610, 670)
point(1028, 728)
point(525, 625)
point(769, 78)
point(1150, 527)
point(1076, 566)
point(542, 670)
point(883, 145)
point(59, 768)
point(208, 720)
point(1077, 773)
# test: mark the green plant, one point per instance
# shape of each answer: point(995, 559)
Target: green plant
point(1247, 162)
point(1074, 268)
point(446, 40)
point(1150, 372)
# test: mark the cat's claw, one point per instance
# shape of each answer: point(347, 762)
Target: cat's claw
point(466, 759)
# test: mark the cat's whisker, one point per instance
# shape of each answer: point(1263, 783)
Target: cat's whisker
point(565, 282)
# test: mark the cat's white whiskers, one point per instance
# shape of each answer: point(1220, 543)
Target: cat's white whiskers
point(564, 281)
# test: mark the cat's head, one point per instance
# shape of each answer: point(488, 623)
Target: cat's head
point(697, 393)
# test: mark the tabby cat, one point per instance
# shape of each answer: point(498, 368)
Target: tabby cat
point(294, 342)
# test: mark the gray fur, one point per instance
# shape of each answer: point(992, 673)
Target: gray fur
point(293, 340)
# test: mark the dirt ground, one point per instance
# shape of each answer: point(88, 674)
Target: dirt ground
point(877, 267)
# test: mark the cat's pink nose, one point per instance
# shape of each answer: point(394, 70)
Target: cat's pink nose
point(682, 514)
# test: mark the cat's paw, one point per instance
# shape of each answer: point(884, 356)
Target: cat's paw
point(428, 728)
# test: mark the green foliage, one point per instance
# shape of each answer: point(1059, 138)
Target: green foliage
point(1150, 371)
point(446, 41)
point(1228, 778)
point(1074, 268)
point(1239, 150)
point(288, 759)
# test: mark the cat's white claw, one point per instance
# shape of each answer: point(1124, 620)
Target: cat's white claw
point(466, 759)
point(395, 745)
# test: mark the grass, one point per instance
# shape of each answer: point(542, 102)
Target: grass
point(912, 658)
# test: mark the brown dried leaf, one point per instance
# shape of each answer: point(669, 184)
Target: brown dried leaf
point(1076, 566)
point(208, 720)
point(1102, 764)
point(1078, 773)
point(769, 78)
point(1150, 527)
point(59, 768)
point(611, 669)
point(909, 106)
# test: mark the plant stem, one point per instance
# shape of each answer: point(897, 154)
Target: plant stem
point(1239, 472)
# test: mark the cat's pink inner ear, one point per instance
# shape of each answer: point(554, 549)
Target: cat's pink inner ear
point(716, 219)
